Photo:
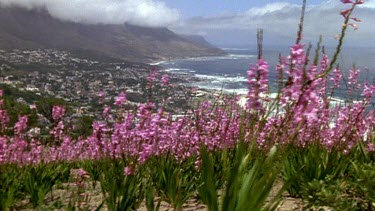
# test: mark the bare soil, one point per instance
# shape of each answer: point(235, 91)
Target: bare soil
point(83, 194)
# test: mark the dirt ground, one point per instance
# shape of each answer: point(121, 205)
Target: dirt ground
point(84, 195)
point(94, 199)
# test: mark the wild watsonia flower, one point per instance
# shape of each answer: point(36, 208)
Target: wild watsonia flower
point(120, 99)
point(354, 86)
point(101, 96)
point(165, 80)
point(106, 111)
point(347, 1)
point(346, 12)
point(152, 77)
point(370, 147)
point(257, 85)
point(293, 88)
point(21, 125)
point(58, 112)
point(3, 149)
point(297, 54)
point(368, 91)
point(128, 171)
point(336, 78)
point(58, 131)
point(4, 117)
point(149, 131)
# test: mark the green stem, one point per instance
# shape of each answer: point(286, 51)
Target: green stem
point(338, 48)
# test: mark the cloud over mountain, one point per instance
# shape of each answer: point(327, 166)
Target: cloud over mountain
point(138, 12)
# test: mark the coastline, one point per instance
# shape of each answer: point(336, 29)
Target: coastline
point(209, 83)
point(159, 61)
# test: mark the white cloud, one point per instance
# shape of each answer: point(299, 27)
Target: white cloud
point(269, 8)
point(139, 12)
point(280, 21)
point(368, 4)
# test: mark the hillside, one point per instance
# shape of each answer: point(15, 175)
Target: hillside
point(197, 39)
point(31, 29)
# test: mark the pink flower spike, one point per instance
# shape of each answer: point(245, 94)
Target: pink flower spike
point(345, 12)
point(355, 26)
point(297, 54)
point(128, 171)
point(360, 2)
point(58, 112)
point(356, 19)
point(151, 78)
point(120, 99)
point(165, 80)
point(347, 1)
point(21, 125)
point(106, 110)
point(101, 94)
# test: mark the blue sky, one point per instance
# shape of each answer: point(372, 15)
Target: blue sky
point(192, 8)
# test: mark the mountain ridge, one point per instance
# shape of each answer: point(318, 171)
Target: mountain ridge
point(30, 29)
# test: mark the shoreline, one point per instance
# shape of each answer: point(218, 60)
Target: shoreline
point(157, 62)
point(192, 79)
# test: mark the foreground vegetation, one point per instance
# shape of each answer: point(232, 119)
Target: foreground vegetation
point(226, 155)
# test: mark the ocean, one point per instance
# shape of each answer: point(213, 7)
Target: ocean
point(229, 72)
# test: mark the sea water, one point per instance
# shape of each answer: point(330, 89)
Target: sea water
point(229, 73)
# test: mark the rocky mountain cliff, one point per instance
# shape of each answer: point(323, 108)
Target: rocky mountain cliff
point(30, 29)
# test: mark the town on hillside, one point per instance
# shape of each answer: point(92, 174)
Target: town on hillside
point(59, 74)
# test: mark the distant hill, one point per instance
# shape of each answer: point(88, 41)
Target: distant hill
point(198, 40)
point(29, 29)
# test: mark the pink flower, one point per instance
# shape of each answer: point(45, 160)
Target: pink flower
point(355, 26)
point(164, 80)
point(4, 117)
point(336, 78)
point(120, 99)
point(101, 94)
point(57, 131)
point(347, 1)
point(345, 12)
point(106, 110)
point(370, 147)
point(58, 112)
point(356, 19)
point(257, 85)
point(360, 1)
point(128, 171)
point(21, 125)
point(368, 91)
point(297, 54)
point(151, 78)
